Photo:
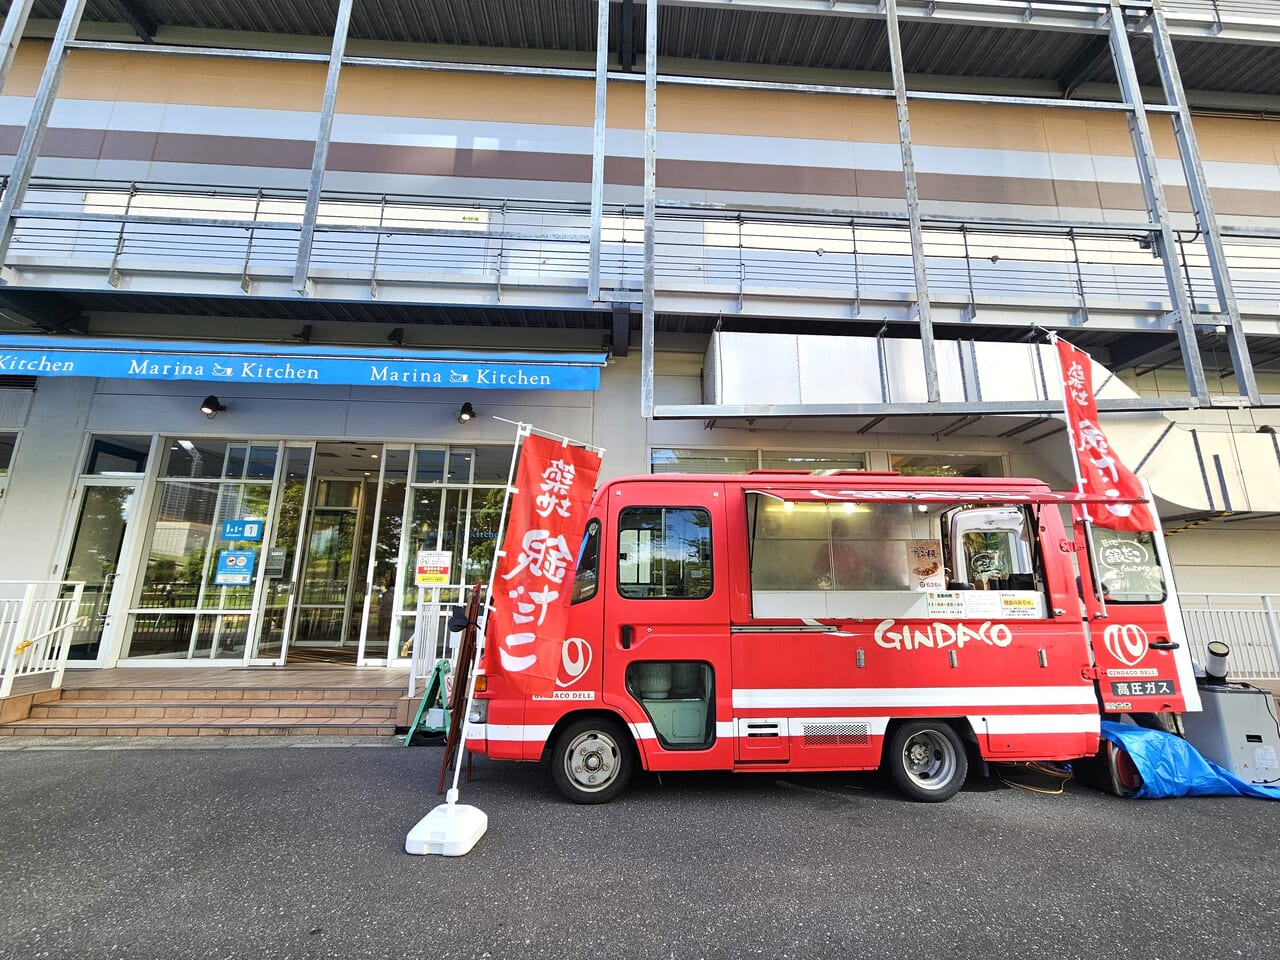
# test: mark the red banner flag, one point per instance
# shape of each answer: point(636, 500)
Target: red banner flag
point(1100, 471)
point(532, 585)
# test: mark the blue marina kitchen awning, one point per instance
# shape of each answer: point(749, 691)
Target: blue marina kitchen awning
point(283, 364)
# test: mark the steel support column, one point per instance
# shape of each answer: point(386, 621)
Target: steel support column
point(1202, 204)
point(650, 203)
point(923, 313)
point(1157, 208)
point(15, 21)
point(29, 147)
point(597, 149)
point(308, 235)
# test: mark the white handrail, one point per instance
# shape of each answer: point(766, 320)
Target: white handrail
point(36, 629)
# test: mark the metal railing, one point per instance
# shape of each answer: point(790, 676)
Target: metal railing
point(156, 229)
point(37, 621)
point(1248, 623)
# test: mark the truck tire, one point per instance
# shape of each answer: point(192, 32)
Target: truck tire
point(592, 760)
point(926, 760)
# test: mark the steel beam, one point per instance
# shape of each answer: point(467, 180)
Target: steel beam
point(627, 37)
point(1157, 208)
point(143, 25)
point(1202, 204)
point(308, 235)
point(573, 73)
point(33, 135)
point(702, 411)
point(597, 147)
point(913, 204)
point(15, 21)
point(650, 204)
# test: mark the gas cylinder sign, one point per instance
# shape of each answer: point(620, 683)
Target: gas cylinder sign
point(433, 568)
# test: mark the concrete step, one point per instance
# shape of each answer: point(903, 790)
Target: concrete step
point(295, 711)
point(207, 727)
point(167, 694)
point(171, 711)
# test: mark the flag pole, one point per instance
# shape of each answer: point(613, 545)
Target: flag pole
point(1075, 465)
point(522, 430)
point(453, 829)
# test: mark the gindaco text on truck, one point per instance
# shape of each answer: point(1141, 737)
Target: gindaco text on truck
point(783, 621)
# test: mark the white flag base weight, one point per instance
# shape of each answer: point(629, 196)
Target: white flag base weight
point(450, 830)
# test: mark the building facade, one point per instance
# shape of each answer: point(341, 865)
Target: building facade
point(255, 263)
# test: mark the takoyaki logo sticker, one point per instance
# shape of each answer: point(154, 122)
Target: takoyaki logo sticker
point(940, 636)
point(1127, 642)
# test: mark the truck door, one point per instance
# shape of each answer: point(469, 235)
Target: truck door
point(1139, 642)
point(666, 625)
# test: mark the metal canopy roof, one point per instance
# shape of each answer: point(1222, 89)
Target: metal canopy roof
point(724, 35)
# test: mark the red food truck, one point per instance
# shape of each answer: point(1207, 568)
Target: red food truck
point(785, 621)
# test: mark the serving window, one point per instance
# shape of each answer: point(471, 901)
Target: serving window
point(872, 559)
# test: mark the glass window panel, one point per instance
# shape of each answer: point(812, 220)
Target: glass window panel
point(664, 553)
point(672, 460)
point(429, 465)
point(486, 514)
point(164, 636)
point(424, 534)
point(587, 577)
point(262, 461)
point(115, 454)
point(233, 463)
point(195, 458)
point(7, 442)
point(386, 549)
point(947, 465)
point(783, 460)
point(806, 546)
point(492, 464)
point(1128, 566)
point(460, 459)
point(229, 635)
point(453, 527)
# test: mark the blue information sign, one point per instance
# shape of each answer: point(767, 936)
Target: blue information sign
point(281, 364)
point(242, 530)
point(235, 568)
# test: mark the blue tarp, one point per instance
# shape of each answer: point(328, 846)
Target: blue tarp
point(1171, 767)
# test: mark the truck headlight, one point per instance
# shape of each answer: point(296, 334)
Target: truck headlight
point(479, 711)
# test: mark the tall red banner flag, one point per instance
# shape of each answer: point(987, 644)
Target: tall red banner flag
point(532, 585)
point(1101, 472)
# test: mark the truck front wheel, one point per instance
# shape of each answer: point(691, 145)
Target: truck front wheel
point(591, 761)
point(927, 761)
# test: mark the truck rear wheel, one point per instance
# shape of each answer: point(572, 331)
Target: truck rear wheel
point(926, 760)
point(591, 761)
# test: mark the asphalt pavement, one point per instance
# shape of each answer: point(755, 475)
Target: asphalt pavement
point(172, 851)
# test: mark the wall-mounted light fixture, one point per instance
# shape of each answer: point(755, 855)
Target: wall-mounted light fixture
point(466, 413)
point(211, 407)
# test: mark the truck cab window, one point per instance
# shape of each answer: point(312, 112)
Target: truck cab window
point(587, 577)
point(664, 553)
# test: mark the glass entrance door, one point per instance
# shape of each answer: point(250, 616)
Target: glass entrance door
point(96, 545)
point(333, 581)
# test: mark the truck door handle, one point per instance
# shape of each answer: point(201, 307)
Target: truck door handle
point(1165, 645)
point(628, 632)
